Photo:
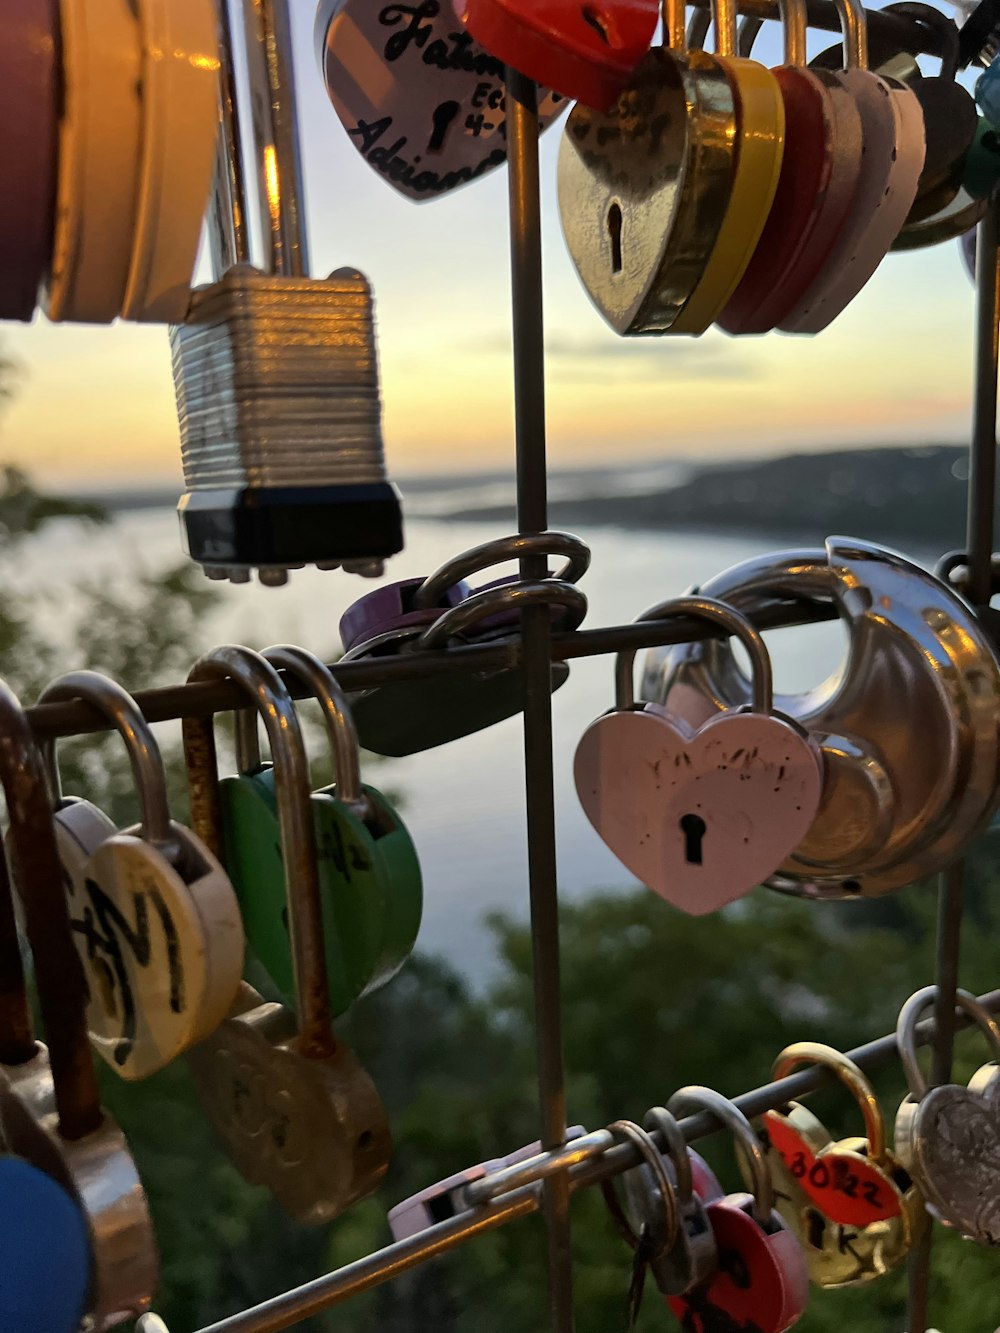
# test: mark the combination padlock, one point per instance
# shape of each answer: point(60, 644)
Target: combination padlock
point(855, 1210)
point(420, 100)
point(700, 815)
point(368, 869)
point(50, 1110)
point(406, 718)
point(761, 1281)
point(290, 1102)
point(948, 1137)
point(155, 920)
point(892, 810)
point(44, 1252)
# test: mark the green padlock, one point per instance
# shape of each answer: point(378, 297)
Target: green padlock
point(372, 895)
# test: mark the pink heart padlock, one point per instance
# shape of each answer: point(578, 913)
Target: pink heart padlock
point(762, 1280)
point(584, 51)
point(421, 101)
point(700, 816)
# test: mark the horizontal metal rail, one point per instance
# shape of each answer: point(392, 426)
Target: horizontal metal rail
point(383, 1265)
point(891, 29)
point(202, 700)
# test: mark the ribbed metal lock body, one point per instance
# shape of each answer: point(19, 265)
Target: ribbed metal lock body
point(281, 423)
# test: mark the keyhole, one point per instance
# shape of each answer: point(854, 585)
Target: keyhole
point(443, 117)
point(693, 828)
point(615, 232)
point(591, 16)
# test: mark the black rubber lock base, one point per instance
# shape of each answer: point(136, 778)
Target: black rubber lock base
point(292, 525)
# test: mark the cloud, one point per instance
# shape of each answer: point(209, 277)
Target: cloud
point(597, 360)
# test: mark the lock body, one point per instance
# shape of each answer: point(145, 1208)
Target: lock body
point(279, 405)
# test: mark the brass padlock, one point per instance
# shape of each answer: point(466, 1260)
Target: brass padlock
point(50, 1110)
point(292, 1105)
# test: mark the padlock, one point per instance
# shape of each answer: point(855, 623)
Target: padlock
point(156, 922)
point(854, 1208)
point(50, 1110)
point(423, 104)
point(585, 52)
point(419, 714)
point(644, 187)
point(692, 1257)
point(290, 1102)
point(948, 1137)
point(699, 815)
point(895, 807)
point(963, 212)
point(44, 1253)
point(29, 110)
point(439, 1202)
point(281, 435)
point(368, 869)
point(761, 1282)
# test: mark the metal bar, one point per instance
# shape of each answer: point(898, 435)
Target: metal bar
point(823, 14)
point(171, 702)
point(228, 234)
point(982, 454)
point(528, 326)
point(323, 1293)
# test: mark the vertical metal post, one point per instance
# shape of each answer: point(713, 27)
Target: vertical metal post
point(532, 514)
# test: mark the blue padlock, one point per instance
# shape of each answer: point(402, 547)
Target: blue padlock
point(44, 1253)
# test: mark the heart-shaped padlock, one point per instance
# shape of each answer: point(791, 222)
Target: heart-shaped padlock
point(155, 919)
point(892, 810)
point(368, 869)
point(703, 815)
point(761, 1281)
point(422, 103)
point(50, 1110)
point(854, 1208)
point(584, 51)
point(292, 1105)
point(44, 1253)
point(948, 1137)
point(691, 1258)
point(408, 717)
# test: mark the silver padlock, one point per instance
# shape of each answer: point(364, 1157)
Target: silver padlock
point(900, 800)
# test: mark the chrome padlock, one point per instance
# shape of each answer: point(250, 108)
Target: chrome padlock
point(416, 715)
point(155, 920)
point(291, 1104)
point(50, 1109)
point(948, 1137)
point(853, 1207)
point(897, 803)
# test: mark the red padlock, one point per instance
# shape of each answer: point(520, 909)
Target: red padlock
point(762, 1282)
point(584, 49)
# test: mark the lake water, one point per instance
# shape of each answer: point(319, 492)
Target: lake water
point(463, 803)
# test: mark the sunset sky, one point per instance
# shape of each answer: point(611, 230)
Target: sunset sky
point(96, 405)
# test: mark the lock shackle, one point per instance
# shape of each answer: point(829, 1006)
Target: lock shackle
point(673, 26)
point(816, 1053)
point(666, 1236)
point(317, 676)
point(697, 30)
point(854, 25)
point(906, 1032)
point(724, 18)
point(696, 1098)
point(482, 605)
point(926, 16)
point(293, 794)
point(675, 1144)
point(795, 31)
point(750, 26)
point(478, 558)
point(36, 872)
point(106, 696)
point(719, 614)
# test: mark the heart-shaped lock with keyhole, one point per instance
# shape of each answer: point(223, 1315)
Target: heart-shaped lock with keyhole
point(293, 1107)
point(761, 1281)
point(50, 1109)
point(948, 1137)
point(892, 811)
point(368, 869)
point(586, 50)
point(423, 103)
point(44, 1253)
point(155, 919)
point(701, 816)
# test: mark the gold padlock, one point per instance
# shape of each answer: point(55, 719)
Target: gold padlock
point(292, 1105)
